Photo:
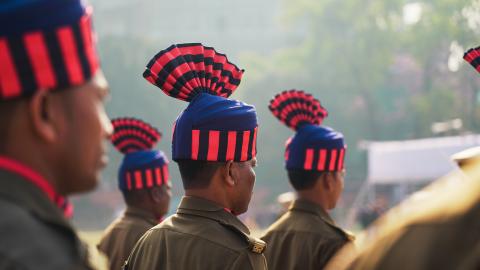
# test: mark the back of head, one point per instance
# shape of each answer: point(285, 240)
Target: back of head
point(197, 174)
point(314, 149)
point(142, 167)
point(212, 129)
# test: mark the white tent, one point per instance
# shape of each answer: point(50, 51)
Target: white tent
point(414, 161)
point(400, 164)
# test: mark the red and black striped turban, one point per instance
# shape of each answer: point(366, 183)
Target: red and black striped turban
point(212, 127)
point(472, 56)
point(45, 45)
point(313, 147)
point(142, 166)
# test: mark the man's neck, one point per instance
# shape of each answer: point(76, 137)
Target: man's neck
point(210, 195)
point(313, 198)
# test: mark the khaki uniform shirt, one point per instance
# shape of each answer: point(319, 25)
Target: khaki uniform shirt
point(33, 231)
point(122, 235)
point(303, 238)
point(201, 235)
point(443, 235)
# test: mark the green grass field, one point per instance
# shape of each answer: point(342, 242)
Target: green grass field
point(92, 238)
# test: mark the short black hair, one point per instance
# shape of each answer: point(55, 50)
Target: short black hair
point(303, 179)
point(135, 197)
point(197, 173)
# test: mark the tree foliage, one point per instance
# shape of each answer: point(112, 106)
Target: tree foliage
point(380, 67)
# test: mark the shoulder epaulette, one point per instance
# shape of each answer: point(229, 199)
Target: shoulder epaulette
point(348, 235)
point(255, 245)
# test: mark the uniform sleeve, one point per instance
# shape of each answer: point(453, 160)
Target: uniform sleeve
point(249, 261)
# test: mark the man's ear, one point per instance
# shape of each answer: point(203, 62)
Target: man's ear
point(156, 194)
point(42, 115)
point(326, 179)
point(230, 174)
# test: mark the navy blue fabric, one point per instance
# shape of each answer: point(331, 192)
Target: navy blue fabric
point(209, 112)
point(21, 16)
point(139, 161)
point(313, 137)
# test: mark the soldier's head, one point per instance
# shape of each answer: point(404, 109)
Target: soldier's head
point(52, 92)
point(235, 180)
point(327, 185)
point(214, 138)
point(314, 156)
point(143, 176)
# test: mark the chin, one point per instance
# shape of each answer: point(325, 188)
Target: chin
point(241, 211)
point(87, 184)
point(333, 206)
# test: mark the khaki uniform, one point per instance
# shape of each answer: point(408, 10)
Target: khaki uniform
point(303, 238)
point(34, 233)
point(441, 232)
point(201, 235)
point(122, 235)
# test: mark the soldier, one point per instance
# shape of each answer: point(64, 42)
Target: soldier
point(143, 180)
point(214, 145)
point(306, 237)
point(53, 130)
point(443, 234)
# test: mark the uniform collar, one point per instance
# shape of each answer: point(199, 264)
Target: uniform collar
point(204, 208)
point(135, 212)
point(16, 189)
point(35, 178)
point(310, 207)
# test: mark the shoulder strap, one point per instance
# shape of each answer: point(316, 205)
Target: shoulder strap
point(255, 245)
point(348, 235)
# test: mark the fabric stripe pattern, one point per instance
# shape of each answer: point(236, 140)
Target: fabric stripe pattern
point(147, 177)
point(171, 70)
point(324, 159)
point(240, 146)
point(47, 60)
point(472, 56)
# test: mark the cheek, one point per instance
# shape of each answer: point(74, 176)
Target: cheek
point(251, 177)
point(98, 117)
point(340, 188)
point(104, 120)
point(90, 136)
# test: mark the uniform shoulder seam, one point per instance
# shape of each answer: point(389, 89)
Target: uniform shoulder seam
point(338, 236)
point(237, 251)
